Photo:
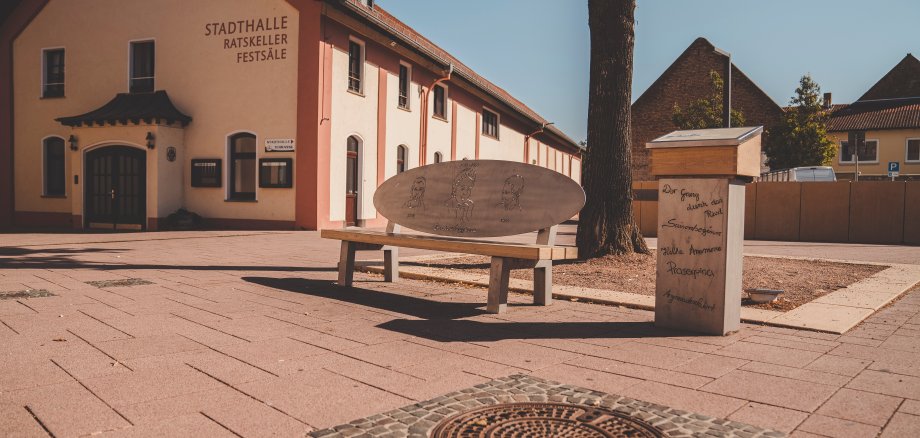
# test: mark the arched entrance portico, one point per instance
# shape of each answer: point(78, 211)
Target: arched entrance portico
point(115, 188)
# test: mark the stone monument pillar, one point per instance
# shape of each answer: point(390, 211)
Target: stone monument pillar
point(701, 176)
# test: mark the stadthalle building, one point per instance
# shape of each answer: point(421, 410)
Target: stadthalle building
point(281, 114)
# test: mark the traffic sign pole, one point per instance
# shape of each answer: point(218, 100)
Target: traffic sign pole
point(894, 169)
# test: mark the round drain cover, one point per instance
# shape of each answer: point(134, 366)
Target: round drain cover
point(543, 420)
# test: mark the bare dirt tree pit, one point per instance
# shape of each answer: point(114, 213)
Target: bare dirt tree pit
point(801, 280)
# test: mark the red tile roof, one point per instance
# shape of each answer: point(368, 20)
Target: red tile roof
point(901, 113)
point(408, 35)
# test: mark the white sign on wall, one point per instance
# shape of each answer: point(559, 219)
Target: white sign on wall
point(279, 145)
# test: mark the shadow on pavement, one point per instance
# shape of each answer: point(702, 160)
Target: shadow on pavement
point(477, 331)
point(15, 251)
point(443, 321)
point(404, 304)
point(12, 257)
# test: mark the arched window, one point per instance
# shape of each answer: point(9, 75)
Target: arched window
point(352, 181)
point(54, 166)
point(402, 153)
point(351, 167)
point(437, 157)
point(243, 167)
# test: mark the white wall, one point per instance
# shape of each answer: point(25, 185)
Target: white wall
point(402, 125)
point(352, 114)
point(466, 133)
point(439, 130)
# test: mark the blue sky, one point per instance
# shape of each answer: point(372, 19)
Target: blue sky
point(538, 49)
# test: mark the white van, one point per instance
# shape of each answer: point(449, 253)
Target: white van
point(801, 174)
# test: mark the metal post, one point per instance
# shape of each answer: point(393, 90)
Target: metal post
point(727, 93)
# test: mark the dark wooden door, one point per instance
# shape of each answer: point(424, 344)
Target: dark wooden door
point(116, 188)
point(351, 183)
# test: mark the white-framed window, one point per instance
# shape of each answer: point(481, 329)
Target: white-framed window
point(402, 158)
point(241, 159)
point(867, 154)
point(53, 72)
point(143, 66)
point(489, 123)
point(54, 172)
point(912, 153)
point(438, 157)
point(356, 66)
point(439, 108)
point(405, 81)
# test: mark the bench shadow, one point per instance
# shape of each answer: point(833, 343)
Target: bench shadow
point(443, 321)
point(477, 331)
point(392, 302)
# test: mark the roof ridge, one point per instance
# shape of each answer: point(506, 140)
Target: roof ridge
point(907, 62)
point(412, 36)
point(719, 52)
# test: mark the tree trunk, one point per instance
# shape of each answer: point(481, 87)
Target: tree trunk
point(606, 224)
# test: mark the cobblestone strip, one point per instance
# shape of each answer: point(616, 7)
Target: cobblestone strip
point(418, 419)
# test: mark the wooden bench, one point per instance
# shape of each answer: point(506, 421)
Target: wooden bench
point(461, 199)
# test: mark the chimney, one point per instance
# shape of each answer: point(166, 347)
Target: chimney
point(827, 100)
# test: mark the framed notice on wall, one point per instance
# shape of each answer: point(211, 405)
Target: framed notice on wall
point(279, 145)
point(276, 172)
point(206, 172)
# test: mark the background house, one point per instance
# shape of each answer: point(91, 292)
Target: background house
point(687, 80)
point(889, 117)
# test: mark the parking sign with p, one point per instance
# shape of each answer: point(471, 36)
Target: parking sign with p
point(894, 169)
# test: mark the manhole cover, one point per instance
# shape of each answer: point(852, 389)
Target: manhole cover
point(543, 420)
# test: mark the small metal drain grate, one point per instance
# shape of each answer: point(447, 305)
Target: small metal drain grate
point(543, 420)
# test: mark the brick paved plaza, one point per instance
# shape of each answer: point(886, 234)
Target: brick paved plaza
point(244, 334)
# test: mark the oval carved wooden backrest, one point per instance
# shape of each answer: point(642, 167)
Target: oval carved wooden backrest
point(479, 198)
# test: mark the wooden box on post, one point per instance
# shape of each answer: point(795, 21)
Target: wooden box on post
point(701, 225)
point(728, 152)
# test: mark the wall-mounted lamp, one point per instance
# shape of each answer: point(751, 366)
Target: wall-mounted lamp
point(150, 143)
point(72, 140)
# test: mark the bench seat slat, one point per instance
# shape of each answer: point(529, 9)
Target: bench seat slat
point(447, 244)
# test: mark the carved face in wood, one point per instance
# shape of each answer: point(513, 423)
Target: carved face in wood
point(511, 192)
point(417, 193)
point(461, 193)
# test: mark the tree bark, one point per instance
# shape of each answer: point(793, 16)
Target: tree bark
point(606, 224)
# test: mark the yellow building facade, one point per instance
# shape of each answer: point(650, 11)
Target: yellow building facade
point(884, 124)
point(281, 114)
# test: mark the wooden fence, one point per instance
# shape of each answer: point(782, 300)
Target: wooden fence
point(880, 212)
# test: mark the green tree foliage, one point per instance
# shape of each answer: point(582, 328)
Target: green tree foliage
point(706, 112)
point(801, 140)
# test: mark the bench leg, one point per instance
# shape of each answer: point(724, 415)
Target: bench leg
point(346, 263)
point(498, 285)
point(390, 264)
point(543, 283)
